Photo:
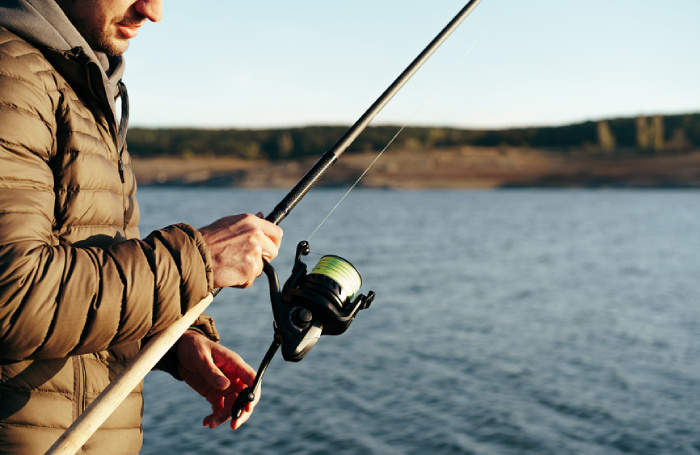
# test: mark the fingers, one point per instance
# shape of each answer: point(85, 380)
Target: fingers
point(247, 412)
point(221, 410)
point(216, 373)
point(273, 234)
point(269, 243)
point(232, 365)
point(216, 378)
point(238, 245)
point(213, 419)
point(199, 354)
point(241, 376)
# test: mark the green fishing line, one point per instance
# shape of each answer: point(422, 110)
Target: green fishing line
point(340, 271)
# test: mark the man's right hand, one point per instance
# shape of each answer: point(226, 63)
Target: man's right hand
point(238, 246)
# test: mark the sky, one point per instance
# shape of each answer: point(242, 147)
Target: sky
point(512, 63)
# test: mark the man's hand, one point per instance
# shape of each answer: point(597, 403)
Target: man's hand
point(238, 245)
point(216, 373)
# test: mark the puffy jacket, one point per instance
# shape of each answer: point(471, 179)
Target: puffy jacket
point(79, 292)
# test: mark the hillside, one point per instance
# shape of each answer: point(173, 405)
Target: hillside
point(457, 167)
point(657, 151)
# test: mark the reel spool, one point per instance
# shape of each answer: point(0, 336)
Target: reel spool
point(339, 276)
point(322, 302)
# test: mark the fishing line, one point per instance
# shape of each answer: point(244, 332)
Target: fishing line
point(357, 181)
point(418, 108)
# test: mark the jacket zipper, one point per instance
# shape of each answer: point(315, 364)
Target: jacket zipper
point(121, 169)
point(79, 387)
point(121, 143)
point(121, 177)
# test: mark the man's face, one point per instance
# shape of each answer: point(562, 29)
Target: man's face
point(108, 25)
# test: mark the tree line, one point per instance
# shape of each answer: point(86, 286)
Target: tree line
point(641, 134)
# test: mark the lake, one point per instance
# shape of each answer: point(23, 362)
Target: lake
point(505, 322)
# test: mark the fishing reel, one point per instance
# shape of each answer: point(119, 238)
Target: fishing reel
point(324, 301)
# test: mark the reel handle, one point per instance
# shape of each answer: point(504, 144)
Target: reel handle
point(248, 394)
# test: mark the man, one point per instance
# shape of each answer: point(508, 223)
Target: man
point(79, 292)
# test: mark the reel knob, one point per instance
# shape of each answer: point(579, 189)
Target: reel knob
point(301, 317)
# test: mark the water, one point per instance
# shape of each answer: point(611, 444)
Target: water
point(506, 322)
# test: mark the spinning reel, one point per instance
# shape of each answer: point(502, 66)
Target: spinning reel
point(322, 302)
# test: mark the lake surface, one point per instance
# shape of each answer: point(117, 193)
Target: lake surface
point(505, 322)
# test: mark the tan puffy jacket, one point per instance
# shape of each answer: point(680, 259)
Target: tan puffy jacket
point(78, 290)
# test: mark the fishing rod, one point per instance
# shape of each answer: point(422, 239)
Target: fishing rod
point(328, 289)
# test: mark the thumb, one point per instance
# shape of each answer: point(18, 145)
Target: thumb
point(215, 377)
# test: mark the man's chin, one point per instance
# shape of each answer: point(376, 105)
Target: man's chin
point(117, 48)
point(113, 47)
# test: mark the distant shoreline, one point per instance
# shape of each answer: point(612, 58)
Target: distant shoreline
point(452, 168)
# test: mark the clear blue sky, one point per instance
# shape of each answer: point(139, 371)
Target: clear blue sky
point(273, 63)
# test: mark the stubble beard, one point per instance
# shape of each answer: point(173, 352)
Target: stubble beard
point(100, 40)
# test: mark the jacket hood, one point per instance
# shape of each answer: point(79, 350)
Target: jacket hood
point(44, 23)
